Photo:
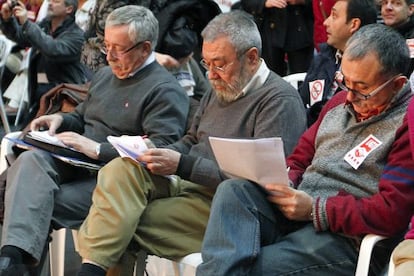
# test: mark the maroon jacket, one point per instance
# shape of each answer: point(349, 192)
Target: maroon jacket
point(386, 212)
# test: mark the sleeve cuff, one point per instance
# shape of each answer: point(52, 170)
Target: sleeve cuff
point(320, 219)
point(185, 166)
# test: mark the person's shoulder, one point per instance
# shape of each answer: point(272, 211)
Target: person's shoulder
point(326, 50)
point(158, 75)
point(274, 80)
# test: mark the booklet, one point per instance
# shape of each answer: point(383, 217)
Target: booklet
point(259, 160)
point(92, 165)
point(128, 146)
point(44, 141)
point(44, 136)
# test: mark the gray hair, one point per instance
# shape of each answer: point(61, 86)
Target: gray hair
point(142, 23)
point(74, 4)
point(238, 26)
point(388, 45)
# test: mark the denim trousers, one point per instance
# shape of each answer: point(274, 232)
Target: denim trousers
point(247, 235)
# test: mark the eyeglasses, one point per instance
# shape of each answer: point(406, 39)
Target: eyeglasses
point(365, 97)
point(221, 69)
point(117, 54)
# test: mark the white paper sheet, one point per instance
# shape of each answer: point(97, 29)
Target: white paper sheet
point(44, 136)
point(258, 160)
point(128, 146)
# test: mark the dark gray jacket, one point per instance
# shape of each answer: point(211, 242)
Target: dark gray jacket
point(55, 53)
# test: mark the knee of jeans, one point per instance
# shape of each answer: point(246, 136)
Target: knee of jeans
point(230, 185)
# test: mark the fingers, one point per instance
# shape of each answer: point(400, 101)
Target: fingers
point(280, 190)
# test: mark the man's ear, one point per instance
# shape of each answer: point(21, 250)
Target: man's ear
point(410, 9)
point(69, 9)
point(355, 25)
point(252, 55)
point(399, 82)
point(146, 47)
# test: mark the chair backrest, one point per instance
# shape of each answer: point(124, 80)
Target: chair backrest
point(295, 79)
point(6, 46)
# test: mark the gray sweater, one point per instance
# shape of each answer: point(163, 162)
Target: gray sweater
point(150, 103)
point(275, 109)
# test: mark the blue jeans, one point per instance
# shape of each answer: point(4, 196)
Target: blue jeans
point(246, 235)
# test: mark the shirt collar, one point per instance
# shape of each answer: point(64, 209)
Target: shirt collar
point(258, 78)
point(149, 60)
point(338, 56)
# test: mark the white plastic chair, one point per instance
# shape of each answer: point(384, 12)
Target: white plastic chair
point(295, 79)
point(6, 46)
point(365, 252)
point(190, 261)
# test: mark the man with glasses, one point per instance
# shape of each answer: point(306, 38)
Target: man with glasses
point(352, 173)
point(134, 95)
point(346, 17)
point(163, 205)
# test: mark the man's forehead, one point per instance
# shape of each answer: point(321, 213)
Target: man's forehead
point(217, 49)
point(360, 69)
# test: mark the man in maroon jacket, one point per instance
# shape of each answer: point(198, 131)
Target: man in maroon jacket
point(351, 174)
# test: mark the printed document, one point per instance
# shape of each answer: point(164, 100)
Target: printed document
point(128, 146)
point(259, 160)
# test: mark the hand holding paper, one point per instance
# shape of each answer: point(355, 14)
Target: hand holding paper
point(128, 146)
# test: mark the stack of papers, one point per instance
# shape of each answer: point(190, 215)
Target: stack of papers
point(44, 136)
point(128, 146)
point(259, 160)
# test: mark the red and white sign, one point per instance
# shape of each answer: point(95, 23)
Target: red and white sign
point(357, 155)
point(316, 91)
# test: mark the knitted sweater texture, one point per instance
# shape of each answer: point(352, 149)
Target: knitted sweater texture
point(150, 103)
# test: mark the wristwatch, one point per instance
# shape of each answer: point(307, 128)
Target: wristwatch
point(98, 149)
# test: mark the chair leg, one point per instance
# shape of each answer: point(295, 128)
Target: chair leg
point(19, 111)
point(57, 252)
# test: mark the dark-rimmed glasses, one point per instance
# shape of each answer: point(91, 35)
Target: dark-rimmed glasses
point(117, 54)
point(365, 97)
point(221, 69)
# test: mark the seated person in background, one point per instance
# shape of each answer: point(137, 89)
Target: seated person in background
point(346, 17)
point(351, 174)
point(56, 45)
point(190, 77)
point(163, 203)
point(398, 14)
point(177, 58)
point(133, 96)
